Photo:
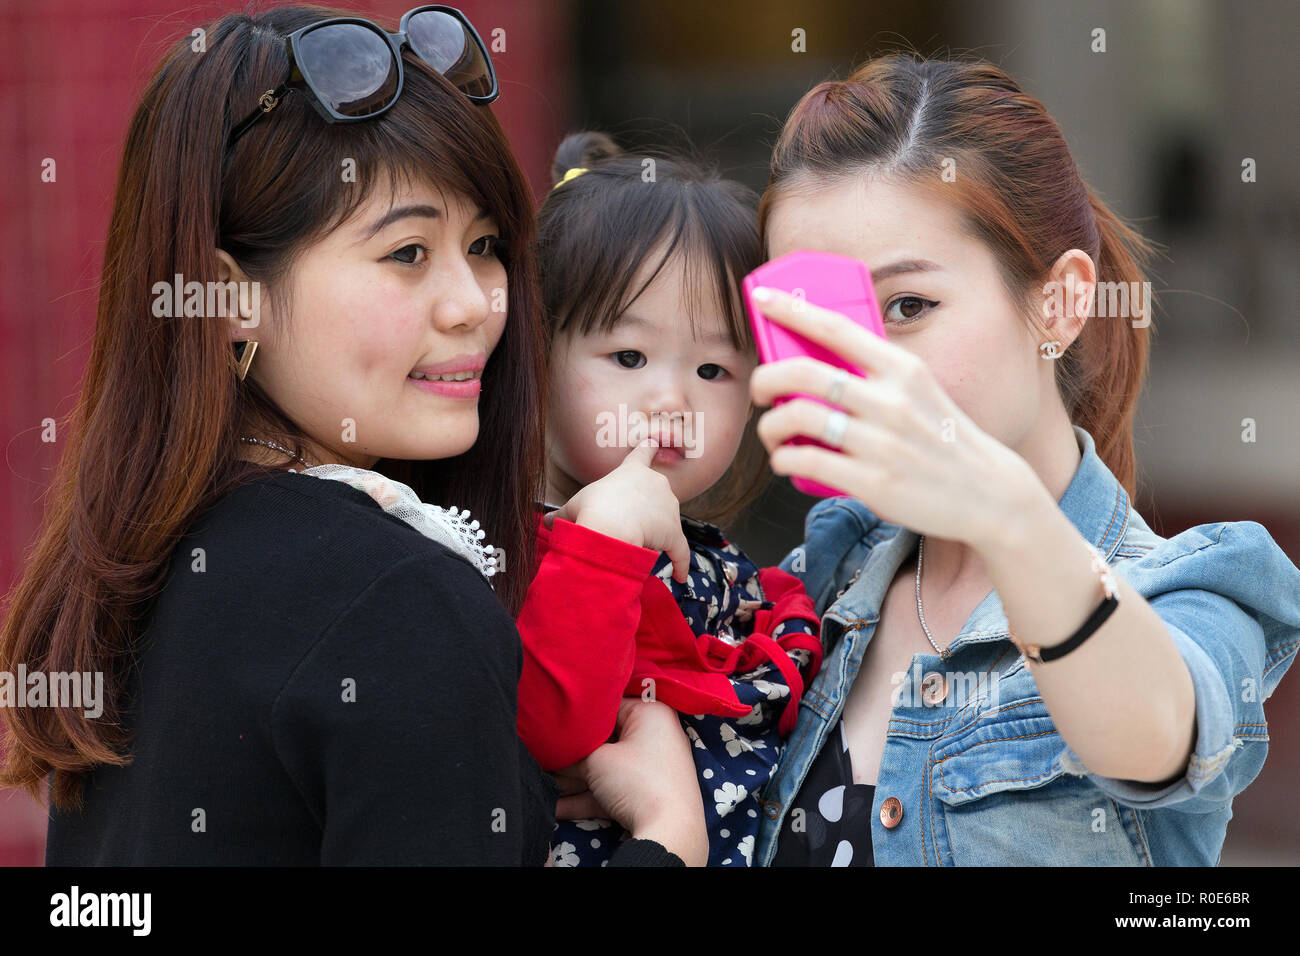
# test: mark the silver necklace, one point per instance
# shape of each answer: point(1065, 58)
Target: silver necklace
point(920, 612)
point(271, 444)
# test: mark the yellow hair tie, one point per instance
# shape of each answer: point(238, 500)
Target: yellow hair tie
point(571, 174)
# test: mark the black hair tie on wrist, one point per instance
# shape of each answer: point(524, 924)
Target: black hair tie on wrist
point(1110, 588)
point(1085, 631)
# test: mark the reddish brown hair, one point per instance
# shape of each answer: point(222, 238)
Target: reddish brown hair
point(1020, 192)
point(156, 431)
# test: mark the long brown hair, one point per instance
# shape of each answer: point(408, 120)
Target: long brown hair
point(1020, 192)
point(155, 435)
point(595, 232)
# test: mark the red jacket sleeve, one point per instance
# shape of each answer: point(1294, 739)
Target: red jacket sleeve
point(578, 626)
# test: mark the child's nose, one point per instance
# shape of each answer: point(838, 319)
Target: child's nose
point(669, 398)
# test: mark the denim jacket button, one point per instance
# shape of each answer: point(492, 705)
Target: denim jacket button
point(933, 689)
point(891, 813)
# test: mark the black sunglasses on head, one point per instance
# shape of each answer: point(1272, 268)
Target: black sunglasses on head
point(351, 69)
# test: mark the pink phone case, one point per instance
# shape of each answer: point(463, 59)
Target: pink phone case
point(827, 280)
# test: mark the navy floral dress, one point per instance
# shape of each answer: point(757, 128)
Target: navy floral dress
point(734, 756)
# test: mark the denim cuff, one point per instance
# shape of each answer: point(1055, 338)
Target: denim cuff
point(1214, 747)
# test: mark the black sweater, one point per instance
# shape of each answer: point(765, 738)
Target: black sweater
point(319, 683)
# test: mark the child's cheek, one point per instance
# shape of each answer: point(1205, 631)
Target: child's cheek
point(722, 426)
point(594, 403)
point(575, 419)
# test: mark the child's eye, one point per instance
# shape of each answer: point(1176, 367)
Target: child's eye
point(622, 357)
point(711, 372)
point(396, 255)
point(909, 312)
point(491, 246)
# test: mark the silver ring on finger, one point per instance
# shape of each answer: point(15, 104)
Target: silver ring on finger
point(837, 423)
point(838, 383)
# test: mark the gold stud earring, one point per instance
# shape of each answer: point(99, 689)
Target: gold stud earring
point(245, 356)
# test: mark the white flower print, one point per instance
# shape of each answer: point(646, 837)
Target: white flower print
point(746, 849)
point(800, 656)
point(727, 796)
point(755, 716)
point(758, 671)
point(773, 691)
point(564, 855)
point(590, 824)
point(737, 744)
point(694, 737)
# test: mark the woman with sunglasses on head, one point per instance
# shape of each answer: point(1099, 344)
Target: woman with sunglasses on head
point(994, 692)
point(256, 536)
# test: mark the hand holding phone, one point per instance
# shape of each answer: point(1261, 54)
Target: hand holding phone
point(826, 280)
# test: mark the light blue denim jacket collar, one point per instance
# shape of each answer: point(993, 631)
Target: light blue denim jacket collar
point(1095, 502)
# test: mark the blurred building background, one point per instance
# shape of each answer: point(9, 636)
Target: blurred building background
point(1159, 123)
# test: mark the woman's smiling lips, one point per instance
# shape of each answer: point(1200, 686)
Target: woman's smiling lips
point(469, 388)
point(459, 377)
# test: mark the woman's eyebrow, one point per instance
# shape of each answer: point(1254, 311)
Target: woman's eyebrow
point(402, 212)
point(903, 266)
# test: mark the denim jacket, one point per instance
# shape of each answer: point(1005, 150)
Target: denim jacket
point(982, 775)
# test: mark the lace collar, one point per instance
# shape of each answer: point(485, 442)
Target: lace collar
point(452, 527)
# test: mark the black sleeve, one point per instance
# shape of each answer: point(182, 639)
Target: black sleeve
point(398, 727)
point(644, 853)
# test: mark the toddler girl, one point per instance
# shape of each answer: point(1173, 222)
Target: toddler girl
point(634, 594)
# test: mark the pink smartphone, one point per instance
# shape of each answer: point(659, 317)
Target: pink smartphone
point(827, 280)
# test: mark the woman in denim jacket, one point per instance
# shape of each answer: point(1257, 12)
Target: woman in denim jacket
point(1018, 670)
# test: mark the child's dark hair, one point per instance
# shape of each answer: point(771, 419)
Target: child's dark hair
point(597, 229)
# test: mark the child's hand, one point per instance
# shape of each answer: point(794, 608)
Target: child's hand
point(633, 503)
